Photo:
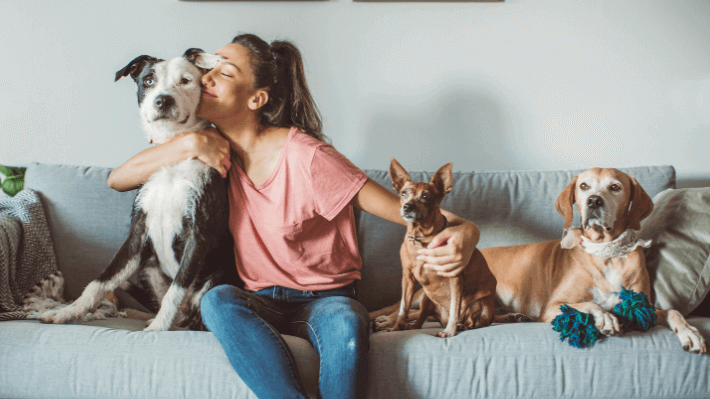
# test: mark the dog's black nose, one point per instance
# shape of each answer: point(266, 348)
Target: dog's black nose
point(595, 201)
point(408, 207)
point(164, 102)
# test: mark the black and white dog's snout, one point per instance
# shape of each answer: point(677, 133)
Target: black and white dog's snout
point(166, 108)
point(163, 102)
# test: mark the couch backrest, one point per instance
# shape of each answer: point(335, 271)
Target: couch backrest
point(89, 221)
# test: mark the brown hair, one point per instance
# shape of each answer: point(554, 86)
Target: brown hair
point(279, 68)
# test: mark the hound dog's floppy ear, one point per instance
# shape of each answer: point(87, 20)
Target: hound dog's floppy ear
point(398, 175)
point(565, 202)
point(443, 179)
point(201, 59)
point(641, 205)
point(135, 67)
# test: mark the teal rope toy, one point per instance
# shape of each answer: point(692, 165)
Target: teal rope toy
point(577, 326)
point(634, 311)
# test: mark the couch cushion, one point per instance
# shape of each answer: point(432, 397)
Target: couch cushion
point(88, 221)
point(86, 361)
point(510, 208)
point(678, 262)
point(528, 360)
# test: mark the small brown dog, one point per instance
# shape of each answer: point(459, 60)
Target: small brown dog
point(463, 302)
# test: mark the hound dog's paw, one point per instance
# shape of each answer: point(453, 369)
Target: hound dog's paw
point(606, 322)
point(691, 340)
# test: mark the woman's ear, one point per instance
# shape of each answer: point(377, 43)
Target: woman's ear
point(259, 99)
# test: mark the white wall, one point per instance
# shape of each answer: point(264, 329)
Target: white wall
point(536, 84)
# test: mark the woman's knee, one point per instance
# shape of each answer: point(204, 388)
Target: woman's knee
point(215, 300)
point(215, 297)
point(347, 319)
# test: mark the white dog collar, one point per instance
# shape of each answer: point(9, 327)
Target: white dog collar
point(622, 246)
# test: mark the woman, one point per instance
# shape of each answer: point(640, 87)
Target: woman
point(291, 217)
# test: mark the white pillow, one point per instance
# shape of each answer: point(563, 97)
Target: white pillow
point(678, 259)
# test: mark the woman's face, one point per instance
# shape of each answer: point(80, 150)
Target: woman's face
point(228, 87)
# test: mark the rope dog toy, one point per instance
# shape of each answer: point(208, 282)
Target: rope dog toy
point(634, 311)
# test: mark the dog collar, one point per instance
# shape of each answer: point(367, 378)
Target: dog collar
point(621, 247)
point(418, 239)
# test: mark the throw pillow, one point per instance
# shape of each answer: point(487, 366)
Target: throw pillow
point(678, 259)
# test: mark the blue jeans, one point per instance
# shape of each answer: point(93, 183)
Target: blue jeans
point(249, 327)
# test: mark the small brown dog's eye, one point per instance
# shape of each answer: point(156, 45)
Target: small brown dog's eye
point(425, 196)
point(403, 193)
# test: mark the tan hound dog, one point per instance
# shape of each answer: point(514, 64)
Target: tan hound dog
point(588, 267)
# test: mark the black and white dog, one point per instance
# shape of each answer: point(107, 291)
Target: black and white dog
point(179, 237)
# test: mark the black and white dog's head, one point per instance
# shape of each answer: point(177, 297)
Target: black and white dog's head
point(169, 91)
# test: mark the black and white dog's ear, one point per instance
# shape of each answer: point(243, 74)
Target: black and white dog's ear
point(135, 67)
point(201, 59)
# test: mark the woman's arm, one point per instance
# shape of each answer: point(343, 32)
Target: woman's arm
point(379, 201)
point(207, 145)
point(449, 251)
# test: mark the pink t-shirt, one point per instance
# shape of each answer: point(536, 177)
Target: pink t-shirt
point(297, 229)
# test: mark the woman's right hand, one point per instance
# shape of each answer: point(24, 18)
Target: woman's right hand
point(207, 145)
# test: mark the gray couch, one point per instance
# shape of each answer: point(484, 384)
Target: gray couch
point(115, 359)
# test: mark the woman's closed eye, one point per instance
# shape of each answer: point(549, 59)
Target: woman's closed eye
point(226, 75)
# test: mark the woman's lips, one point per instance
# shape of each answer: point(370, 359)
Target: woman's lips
point(208, 93)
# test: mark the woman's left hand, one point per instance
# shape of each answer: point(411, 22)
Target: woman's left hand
point(450, 251)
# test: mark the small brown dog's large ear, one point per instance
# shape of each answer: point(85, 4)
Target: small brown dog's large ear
point(641, 205)
point(443, 179)
point(565, 202)
point(398, 175)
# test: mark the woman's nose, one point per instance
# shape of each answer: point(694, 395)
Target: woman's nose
point(206, 79)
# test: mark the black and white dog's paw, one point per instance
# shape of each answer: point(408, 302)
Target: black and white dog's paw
point(59, 316)
point(152, 325)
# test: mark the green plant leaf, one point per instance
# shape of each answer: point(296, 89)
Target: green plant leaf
point(6, 170)
point(14, 180)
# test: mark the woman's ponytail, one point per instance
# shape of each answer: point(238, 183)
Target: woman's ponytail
point(279, 67)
